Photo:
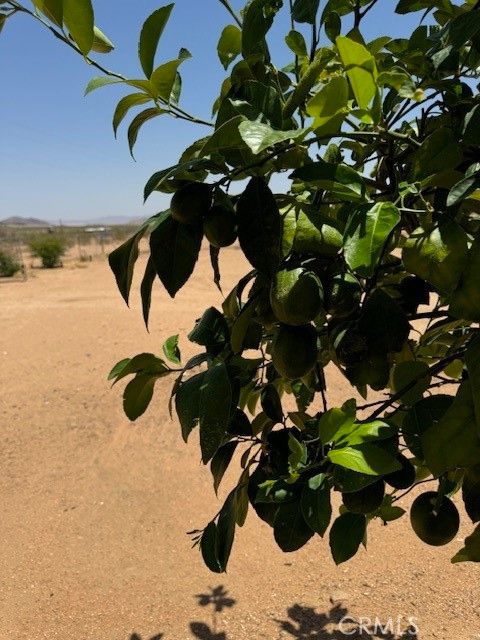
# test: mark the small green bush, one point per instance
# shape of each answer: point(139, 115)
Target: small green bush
point(49, 249)
point(9, 266)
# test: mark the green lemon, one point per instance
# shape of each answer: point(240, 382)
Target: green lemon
point(315, 234)
point(294, 351)
point(404, 477)
point(191, 203)
point(435, 520)
point(296, 296)
point(220, 227)
point(366, 500)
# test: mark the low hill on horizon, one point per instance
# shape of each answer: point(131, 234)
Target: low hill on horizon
point(20, 221)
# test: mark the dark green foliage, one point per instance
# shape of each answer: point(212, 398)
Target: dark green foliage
point(377, 231)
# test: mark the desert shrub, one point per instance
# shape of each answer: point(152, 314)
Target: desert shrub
point(9, 266)
point(49, 248)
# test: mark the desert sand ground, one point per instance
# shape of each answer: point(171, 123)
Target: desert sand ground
point(94, 509)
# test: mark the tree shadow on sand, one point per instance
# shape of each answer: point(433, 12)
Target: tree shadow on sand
point(218, 599)
point(135, 636)
point(304, 623)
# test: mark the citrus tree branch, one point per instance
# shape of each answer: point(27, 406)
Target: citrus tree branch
point(230, 10)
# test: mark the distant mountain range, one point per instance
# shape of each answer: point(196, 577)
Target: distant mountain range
point(20, 221)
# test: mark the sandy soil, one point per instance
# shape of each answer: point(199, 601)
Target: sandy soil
point(94, 510)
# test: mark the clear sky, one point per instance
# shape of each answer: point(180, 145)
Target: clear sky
point(58, 155)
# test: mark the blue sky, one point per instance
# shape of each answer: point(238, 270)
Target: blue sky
point(58, 157)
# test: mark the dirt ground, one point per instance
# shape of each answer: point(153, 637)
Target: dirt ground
point(95, 510)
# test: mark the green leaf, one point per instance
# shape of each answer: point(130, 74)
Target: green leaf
point(271, 403)
point(150, 36)
point(329, 106)
point(215, 410)
point(241, 325)
point(440, 151)
point(471, 550)
point(298, 453)
point(101, 43)
point(366, 234)
point(472, 360)
point(408, 6)
point(52, 9)
point(138, 394)
point(211, 331)
point(383, 323)
point(208, 547)
point(361, 432)
point(226, 530)
point(171, 350)
point(366, 458)
point(220, 462)
point(259, 136)
point(328, 175)
point(118, 368)
point(259, 226)
point(78, 17)
point(138, 122)
point(454, 440)
point(178, 170)
point(361, 70)
point(229, 45)
point(125, 104)
point(332, 421)
point(174, 249)
point(100, 81)
point(422, 417)
point(471, 493)
point(404, 374)
point(122, 260)
point(438, 256)
point(187, 403)
point(464, 188)
point(346, 535)
point(315, 503)
point(305, 11)
point(333, 26)
point(164, 77)
point(257, 21)
point(465, 301)
point(296, 42)
point(146, 289)
point(290, 529)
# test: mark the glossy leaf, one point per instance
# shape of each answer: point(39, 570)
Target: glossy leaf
point(138, 394)
point(221, 461)
point(215, 410)
point(230, 45)
point(78, 18)
point(366, 458)
point(150, 36)
point(361, 70)
point(124, 105)
point(187, 403)
point(315, 503)
point(171, 350)
point(139, 121)
point(259, 226)
point(328, 107)
point(146, 289)
point(305, 10)
point(259, 136)
point(346, 536)
point(455, 440)
point(471, 493)
point(368, 230)
point(175, 248)
point(290, 529)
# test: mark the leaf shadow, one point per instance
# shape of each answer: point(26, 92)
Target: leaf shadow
point(305, 623)
point(217, 597)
